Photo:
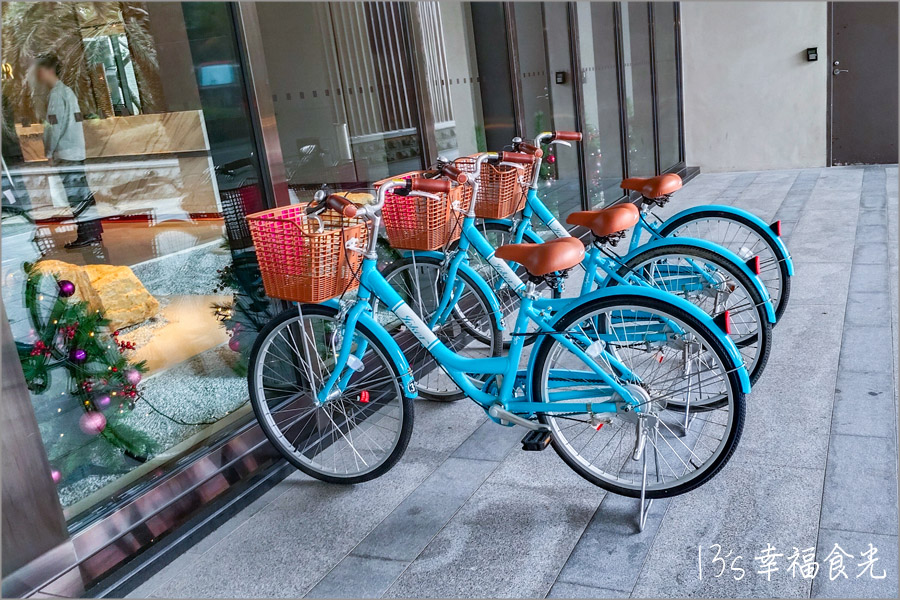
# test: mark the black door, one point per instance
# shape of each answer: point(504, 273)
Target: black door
point(863, 82)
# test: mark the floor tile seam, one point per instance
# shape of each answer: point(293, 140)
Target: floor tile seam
point(437, 533)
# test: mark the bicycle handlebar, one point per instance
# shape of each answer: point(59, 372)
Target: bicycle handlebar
point(454, 173)
point(569, 136)
point(431, 186)
point(562, 136)
point(530, 149)
point(516, 157)
point(341, 205)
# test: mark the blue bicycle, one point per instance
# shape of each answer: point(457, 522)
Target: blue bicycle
point(734, 229)
point(466, 291)
point(638, 391)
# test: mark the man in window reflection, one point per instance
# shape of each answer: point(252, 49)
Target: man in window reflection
point(64, 147)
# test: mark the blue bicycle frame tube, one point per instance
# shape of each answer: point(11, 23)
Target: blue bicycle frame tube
point(373, 283)
point(593, 260)
point(395, 354)
point(462, 263)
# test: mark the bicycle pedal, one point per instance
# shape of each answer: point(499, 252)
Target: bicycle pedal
point(535, 441)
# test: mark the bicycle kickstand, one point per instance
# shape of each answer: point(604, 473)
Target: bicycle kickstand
point(645, 504)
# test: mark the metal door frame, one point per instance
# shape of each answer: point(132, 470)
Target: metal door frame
point(829, 91)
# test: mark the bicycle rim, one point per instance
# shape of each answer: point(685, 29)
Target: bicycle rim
point(744, 242)
point(686, 447)
point(357, 433)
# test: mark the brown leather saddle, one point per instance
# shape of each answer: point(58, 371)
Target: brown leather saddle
point(607, 224)
point(653, 187)
point(541, 260)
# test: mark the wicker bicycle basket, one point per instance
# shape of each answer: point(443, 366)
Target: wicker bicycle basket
point(502, 189)
point(305, 258)
point(421, 223)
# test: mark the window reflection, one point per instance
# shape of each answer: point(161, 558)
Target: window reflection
point(638, 92)
point(453, 78)
point(602, 137)
point(346, 113)
point(127, 169)
point(666, 84)
point(549, 104)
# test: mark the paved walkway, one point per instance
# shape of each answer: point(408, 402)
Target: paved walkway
point(465, 513)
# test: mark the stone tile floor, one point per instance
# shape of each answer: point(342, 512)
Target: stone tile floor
point(466, 513)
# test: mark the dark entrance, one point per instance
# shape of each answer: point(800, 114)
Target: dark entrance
point(863, 82)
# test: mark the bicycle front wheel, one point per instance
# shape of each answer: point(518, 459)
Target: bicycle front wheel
point(356, 435)
point(470, 328)
point(672, 364)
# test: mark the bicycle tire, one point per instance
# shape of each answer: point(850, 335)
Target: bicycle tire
point(780, 303)
point(712, 339)
point(263, 412)
point(765, 327)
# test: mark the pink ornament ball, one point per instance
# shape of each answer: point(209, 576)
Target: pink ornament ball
point(92, 423)
point(103, 401)
point(55, 475)
point(133, 376)
point(234, 344)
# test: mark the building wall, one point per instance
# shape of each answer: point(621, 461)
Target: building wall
point(751, 99)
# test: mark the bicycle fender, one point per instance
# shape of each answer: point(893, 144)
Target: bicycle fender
point(506, 222)
point(648, 292)
point(478, 279)
point(723, 252)
point(393, 349)
point(778, 242)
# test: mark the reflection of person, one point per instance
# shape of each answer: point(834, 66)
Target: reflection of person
point(64, 147)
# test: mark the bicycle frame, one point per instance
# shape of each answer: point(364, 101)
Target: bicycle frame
point(372, 283)
point(594, 260)
point(534, 206)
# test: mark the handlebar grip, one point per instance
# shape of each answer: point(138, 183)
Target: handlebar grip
point(430, 186)
point(530, 149)
point(516, 157)
point(568, 136)
point(341, 205)
point(454, 173)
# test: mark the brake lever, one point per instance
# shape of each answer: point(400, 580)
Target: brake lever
point(563, 142)
point(424, 195)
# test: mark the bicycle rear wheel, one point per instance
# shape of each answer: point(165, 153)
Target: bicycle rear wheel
point(731, 289)
point(356, 435)
point(679, 364)
point(746, 239)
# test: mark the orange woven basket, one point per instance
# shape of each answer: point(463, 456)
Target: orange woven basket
point(502, 190)
point(420, 223)
point(303, 258)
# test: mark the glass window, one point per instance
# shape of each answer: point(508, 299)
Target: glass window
point(638, 93)
point(664, 28)
point(599, 81)
point(128, 167)
point(346, 111)
point(548, 102)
